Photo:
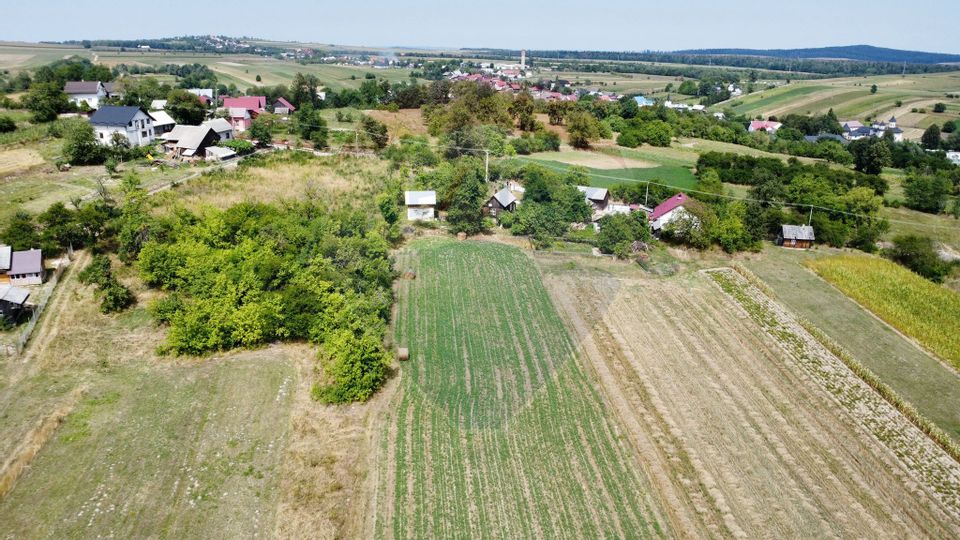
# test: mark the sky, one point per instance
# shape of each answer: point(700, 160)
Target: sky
point(617, 25)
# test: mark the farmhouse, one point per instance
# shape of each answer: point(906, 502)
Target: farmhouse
point(222, 127)
point(12, 300)
point(113, 89)
point(190, 142)
point(240, 119)
point(597, 198)
point(26, 267)
point(764, 125)
point(796, 236)
point(854, 130)
point(282, 106)
point(256, 104)
point(132, 123)
point(668, 211)
point(420, 205)
point(85, 92)
point(501, 201)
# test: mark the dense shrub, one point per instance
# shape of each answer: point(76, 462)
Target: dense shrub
point(918, 254)
point(114, 296)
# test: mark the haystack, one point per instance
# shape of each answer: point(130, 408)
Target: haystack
point(403, 354)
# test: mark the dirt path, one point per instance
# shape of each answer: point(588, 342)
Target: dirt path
point(738, 440)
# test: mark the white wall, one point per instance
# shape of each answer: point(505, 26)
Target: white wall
point(139, 134)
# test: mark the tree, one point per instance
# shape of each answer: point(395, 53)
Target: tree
point(261, 129)
point(918, 254)
point(303, 90)
point(185, 107)
point(46, 101)
point(927, 193)
point(522, 109)
point(618, 232)
point(465, 213)
point(939, 108)
point(689, 88)
point(870, 155)
point(7, 124)
point(21, 233)
point(80, 145)
point(258, 78)
point(312, 126)
point(374, 131)
point(931, 137)
point(709, 182)
point(582, 128)
point(873, 89)
point(557, 111)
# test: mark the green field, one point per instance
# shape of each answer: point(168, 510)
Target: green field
point(497, 430)
point(920, 309)
point(759, 102)
point(919, 378)
point(677, 177)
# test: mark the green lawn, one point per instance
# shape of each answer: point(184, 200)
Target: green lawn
point(497, 429)
point(919, 378)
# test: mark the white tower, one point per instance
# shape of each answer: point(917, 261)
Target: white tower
point(523, 59)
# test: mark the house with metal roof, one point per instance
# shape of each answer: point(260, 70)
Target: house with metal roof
point(222, 127)
point(12, 300)
point(796, 236)
point(282, 106)
point(162, 122)
point(190, 142)
point(420, 205)
point(6, 253)
point(85, 92)
point(132, 123)
point(500, 202)
point(668, 211)
point(26, 267)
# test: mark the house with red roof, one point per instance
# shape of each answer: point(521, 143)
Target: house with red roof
point(282, 106)
point(764, 125)
point(668, 211)
point(257, 104)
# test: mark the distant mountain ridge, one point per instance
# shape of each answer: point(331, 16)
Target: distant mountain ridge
point(863, 53)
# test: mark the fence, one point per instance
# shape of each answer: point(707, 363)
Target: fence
point(15, 348)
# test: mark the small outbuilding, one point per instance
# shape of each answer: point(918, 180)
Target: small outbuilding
point(282, 106)
point(12, 300)
point(796, 236)
point(420, 205)
point(501, 201)
point(596, 197)
point(26, 267)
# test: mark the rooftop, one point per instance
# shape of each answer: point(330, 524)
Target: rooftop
point(13, 295)
point(112, 115)
point(669, 205)
point(5, 253)
point(593, 193)
point(26, 262)
point(420, 198)
point(505, 197)
point(81, 87)
point(798, 232)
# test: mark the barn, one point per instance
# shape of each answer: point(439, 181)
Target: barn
point(501, 201)
point(796, 236)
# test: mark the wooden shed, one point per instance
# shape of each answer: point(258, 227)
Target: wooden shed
point(796, 236)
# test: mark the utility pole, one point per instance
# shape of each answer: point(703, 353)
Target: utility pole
point(810, 219)
point(646, 194)
point(356, 141)
point(486, 166)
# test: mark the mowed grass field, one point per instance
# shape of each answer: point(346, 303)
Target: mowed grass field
point(920, 309)
point(498, 431)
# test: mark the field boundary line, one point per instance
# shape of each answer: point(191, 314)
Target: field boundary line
point(34, 441)
point(903, 406)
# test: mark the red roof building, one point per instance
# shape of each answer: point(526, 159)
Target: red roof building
point(251, 103)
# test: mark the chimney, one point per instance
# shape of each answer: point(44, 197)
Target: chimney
point(523, 59)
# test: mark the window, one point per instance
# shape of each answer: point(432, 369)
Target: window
point(143, 133)
point(101, 134)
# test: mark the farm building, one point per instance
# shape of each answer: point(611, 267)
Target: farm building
point(132, 123)
point(796, 236)
point(420, 205)
point(668, 211)
point(190, 142)
point(282, 106)
point(764, 125)
point(12, 300)
point(501, 201)
point(162, 122)
point(88, 92)
point(597, 198)
point(25, 267)
point(219, 153)
point(222, 127)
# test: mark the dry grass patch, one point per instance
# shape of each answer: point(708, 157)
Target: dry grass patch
point(18, 159)
point(402, 122)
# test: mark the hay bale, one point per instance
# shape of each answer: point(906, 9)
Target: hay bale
point(461, 236)
point(409, 273)
point(403, 354)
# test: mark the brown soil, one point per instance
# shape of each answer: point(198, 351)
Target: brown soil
point(738, 439)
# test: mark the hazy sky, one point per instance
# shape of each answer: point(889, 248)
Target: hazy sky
point(929, 25)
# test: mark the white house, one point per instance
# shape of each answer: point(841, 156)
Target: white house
point(205, 92)
point(222, 127)
point(954, 157)
point(89, 92)
point(420, 205)
point(162, 122)
point(668, 211)
point(133, 123)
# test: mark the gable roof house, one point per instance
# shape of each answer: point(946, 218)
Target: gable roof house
point(251, 103)
point(26, 267)
point(88, 92)
point(597, 198)
point(133, 123)
point(764, 125)
point(12, 300)
point(796, 236)
point(223, 128)
point(190, 142)
point(113, 89)
point(240, 118)
point(420, 205)
point(282, 106)
point(501, 201)
point(668, 211)
point(162, 122)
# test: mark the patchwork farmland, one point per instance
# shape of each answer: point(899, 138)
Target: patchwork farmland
point(497, 430)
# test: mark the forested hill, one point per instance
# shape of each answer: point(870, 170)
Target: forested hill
point(864, 53)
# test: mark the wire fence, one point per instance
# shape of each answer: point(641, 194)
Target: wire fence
point(14, 347)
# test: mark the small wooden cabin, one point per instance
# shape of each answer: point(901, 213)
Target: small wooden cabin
point(796, 236)
point(500, 202)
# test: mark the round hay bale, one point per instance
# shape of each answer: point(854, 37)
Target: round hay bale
point(409, 273)
point(461, 236)
point(403, 354)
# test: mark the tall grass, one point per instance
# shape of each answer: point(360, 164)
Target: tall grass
point(920, 309)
